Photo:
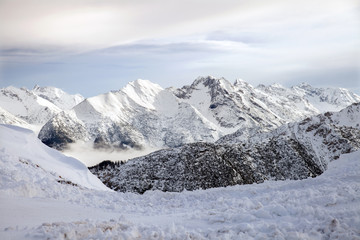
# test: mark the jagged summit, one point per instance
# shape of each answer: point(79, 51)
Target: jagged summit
point(304, 85)
point(58, 97)
point(27, 105)
point(33, 108)
point(143, 114)
point(142, 92)
point(326, 99)
point(209, 81)
point(240, 82)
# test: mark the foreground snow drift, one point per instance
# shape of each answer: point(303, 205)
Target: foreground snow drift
point(326, 207)
point(22, 146)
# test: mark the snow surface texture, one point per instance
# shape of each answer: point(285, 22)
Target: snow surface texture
point(143, 114)
point(293, 151)
point(33, 205)
point(22, 146)
point(33, 108)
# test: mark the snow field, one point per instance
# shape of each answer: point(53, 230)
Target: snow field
point(327, 207)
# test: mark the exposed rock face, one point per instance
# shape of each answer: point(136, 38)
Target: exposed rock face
point(58, 137)
point(293, 151)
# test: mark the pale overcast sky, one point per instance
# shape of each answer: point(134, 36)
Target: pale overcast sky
point(91, 47)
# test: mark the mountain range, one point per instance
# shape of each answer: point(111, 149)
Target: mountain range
point(143, 114)
point(33, 108)
point(213, 134)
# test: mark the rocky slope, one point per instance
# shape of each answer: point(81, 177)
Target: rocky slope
point(293, 151)
point(143, 114)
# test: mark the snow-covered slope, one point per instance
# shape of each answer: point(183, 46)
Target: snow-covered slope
point(293, 151)
point(26, 105)
point(326, 99)
point(36, 106)
point(58, 97)
point(27, 156)
point(143, 114)
point(8, 118)
point(326, 207)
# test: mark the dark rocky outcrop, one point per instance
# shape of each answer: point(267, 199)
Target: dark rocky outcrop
point(293, 151)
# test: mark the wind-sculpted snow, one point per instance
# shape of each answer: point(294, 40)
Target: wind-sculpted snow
point(293, 151)
point(143, 114)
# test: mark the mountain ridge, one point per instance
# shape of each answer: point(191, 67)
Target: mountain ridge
point(35, 107)
point(143, 114)
point(293, 151)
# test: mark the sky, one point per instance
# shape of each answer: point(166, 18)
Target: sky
point(91, 47)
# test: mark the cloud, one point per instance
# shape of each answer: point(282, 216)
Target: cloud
point(105, 23)
point(101, 45)
point(91, 157)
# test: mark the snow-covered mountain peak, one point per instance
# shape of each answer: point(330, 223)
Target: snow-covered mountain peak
point(209, 86)
point(142, 92)
point(46, 91)
point(15, 92)
point(326, 99)
point(143, 114)
point(203, 79)
point(26, 105)
point(240, 82)
point(349, 116)
point(142, 84)
point(58, 97)
point(212, 82)
point(275, 87)
point(242, 86)
point(305, 86)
